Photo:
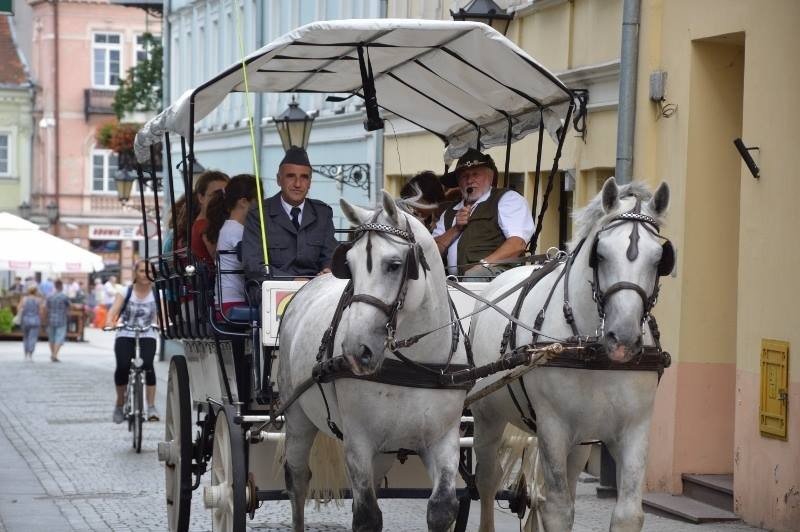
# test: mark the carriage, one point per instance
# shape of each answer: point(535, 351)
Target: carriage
point(464, 83)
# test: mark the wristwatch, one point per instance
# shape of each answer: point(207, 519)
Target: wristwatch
point(486, 265)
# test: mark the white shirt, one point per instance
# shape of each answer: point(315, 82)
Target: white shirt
point(514, 217)
point(288, 208)
point(232, 283)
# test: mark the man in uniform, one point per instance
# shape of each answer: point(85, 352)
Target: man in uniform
point(488, 225)
point(299, 229)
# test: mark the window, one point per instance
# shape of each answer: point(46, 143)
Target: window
point(142, 52)
point(106, 59)
point(104, 166)
point(5, 154)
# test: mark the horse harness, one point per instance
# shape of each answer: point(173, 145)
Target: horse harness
point(586, 352)
point(403, 371)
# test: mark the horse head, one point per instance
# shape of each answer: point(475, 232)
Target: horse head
point(627, 256)
point(383, 262)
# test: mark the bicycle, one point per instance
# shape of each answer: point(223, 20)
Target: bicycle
point(133, 409)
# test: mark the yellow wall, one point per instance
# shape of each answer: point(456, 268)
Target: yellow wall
point(732, 71)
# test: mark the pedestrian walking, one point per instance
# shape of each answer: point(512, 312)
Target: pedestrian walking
point(57, 315)
point(30, 311)
point(110, 291)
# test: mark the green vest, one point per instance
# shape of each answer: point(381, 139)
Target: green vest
point(482, 235)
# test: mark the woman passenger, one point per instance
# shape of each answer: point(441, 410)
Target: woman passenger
point(205, 187)
point(226, 215)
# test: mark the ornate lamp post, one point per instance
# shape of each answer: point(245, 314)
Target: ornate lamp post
point(294, 129)
point(294, 126)
point(124, 181)
point(485, 11)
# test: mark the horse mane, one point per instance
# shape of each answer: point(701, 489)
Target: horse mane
point(593, 215)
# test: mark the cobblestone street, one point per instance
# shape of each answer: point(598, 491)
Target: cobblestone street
point(65, 466)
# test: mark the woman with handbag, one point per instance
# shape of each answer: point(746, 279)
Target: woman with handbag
point(29, 310)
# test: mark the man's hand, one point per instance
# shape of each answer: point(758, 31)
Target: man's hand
point(462, 217)
point(324, 271)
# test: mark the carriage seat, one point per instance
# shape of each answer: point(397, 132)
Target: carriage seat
point(243, 314)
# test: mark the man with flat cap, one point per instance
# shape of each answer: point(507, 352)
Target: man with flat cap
point(487, 226)
point(299, 229)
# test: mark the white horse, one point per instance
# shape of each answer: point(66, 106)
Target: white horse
point(578, 405)
point(375, 418)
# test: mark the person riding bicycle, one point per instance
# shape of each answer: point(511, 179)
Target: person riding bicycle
point(136, 308)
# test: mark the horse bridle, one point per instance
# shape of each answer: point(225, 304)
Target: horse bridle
point(665, 265)
point(414, 258)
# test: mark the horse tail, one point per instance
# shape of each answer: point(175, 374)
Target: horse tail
point(515, 455)
point(328, 474)
point(519, 461)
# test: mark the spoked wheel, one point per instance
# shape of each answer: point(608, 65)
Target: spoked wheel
point(176, 449)
point(138, 413)
point(226, 496)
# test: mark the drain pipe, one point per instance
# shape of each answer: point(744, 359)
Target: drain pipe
point(626, 111)
point(57, 112)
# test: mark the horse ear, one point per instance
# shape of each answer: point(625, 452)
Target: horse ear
point(356, 215)
point(390, 207)
point(660, 200)
point(610, 194)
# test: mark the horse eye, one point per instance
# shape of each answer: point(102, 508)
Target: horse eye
point(393, 265)
point(600, 258)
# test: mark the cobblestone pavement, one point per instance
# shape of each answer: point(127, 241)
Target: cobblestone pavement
point(64, 466)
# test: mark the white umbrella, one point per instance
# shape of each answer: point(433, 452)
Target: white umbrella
point(24, 247)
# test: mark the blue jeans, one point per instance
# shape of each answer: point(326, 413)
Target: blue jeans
point(29, 336)
point(57, 333)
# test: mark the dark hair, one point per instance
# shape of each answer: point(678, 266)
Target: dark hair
point(429, 185)
point(208, 177)
point(58, 284)
point(222, 203)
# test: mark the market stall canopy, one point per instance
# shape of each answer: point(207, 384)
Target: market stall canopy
point(23, 246)
point(462, 81)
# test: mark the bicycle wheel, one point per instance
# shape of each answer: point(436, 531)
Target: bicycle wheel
point(138, 411)
point(128, 409)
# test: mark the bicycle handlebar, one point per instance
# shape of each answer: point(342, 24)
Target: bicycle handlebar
point(131, 328)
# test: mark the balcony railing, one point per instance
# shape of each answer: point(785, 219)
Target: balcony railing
point(98, 102)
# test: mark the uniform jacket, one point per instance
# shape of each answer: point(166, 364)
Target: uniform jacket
point(292, 252)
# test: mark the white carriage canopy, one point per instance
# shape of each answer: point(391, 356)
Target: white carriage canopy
point(462, 81)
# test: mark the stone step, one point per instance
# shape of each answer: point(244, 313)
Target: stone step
point(678, 506)
point(716, 490)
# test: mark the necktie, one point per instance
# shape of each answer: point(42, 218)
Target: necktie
point(296, 217)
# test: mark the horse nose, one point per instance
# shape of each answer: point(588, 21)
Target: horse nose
point(365, 355)
point(612, 337)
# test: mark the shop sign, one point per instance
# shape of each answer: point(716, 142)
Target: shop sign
point(115, 232)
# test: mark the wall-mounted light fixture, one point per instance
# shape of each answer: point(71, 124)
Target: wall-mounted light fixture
point(744, 151)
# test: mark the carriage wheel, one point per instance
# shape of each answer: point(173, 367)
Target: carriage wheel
point(226, 496)
point(176, 449)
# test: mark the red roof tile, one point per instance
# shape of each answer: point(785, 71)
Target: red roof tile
point(11, 69)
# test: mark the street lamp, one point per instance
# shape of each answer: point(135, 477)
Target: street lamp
point(485, 11)
point(52, 212)
point(294, 129)
point(25, 210)
point(294, 126)
point(124, 181)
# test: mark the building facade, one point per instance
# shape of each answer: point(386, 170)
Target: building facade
point(203, 39)
point(730, 401)
point(80, 51)
point(16, 92)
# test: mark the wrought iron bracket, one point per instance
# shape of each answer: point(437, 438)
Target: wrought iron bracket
point(354, 175)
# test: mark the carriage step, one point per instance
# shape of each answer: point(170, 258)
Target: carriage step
point(716, 490)
point(684, 508)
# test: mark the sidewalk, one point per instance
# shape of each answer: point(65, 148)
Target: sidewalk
point(64, 465)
